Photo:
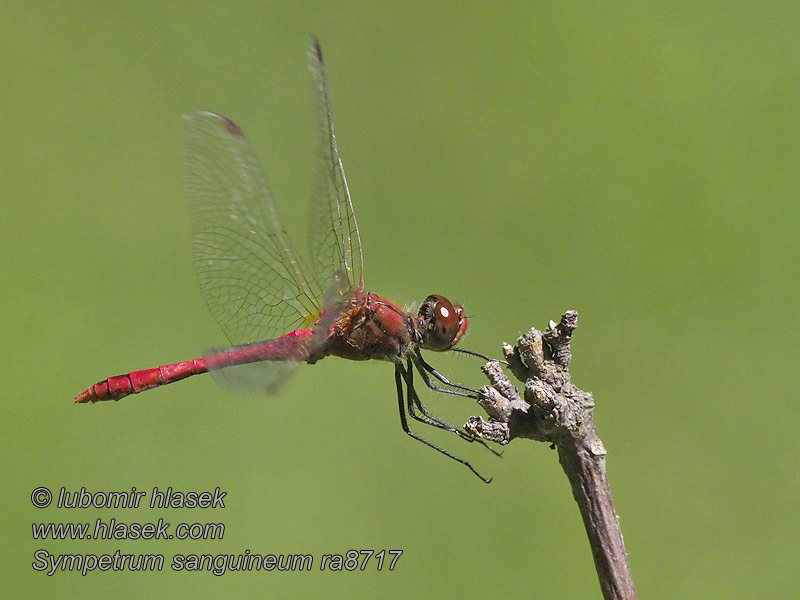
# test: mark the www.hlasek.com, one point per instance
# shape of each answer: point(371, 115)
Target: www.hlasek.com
point(218, 564)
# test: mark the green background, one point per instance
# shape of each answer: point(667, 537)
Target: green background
point(638, 163)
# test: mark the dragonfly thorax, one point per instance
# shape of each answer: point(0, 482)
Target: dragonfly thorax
point(371, 327)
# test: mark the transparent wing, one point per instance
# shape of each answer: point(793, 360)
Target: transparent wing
point(334, 240)
point(264, 377)
point(255, 378)
point(338, 298)
point(249, 272)
point(267, 375)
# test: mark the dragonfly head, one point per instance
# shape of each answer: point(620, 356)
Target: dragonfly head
point(442, 324)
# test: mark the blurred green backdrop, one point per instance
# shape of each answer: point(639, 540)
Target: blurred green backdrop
point(636, 163)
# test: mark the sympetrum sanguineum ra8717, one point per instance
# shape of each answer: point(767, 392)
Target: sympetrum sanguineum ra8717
point(256, 286)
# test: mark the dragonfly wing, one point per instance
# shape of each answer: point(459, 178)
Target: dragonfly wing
point(338, 298)
point(249, 272)
point(334, 239)
point(256, 377)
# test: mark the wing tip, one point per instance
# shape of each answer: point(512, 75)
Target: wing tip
point(232, 127)
point(317, 49)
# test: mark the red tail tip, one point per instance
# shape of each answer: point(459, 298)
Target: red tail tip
point(83, 397)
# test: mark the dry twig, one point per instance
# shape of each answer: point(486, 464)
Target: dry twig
point(553, 410)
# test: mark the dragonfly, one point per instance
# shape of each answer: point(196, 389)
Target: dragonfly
point(257, 287)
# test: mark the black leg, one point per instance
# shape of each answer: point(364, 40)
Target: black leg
point(479, 355)
point(399, 377)
point(424, 368)
point(430, 419)
point(413, 399)
point(427, 418)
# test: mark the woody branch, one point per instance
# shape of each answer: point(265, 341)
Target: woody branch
point(552, 409)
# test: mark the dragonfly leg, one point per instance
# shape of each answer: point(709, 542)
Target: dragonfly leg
point(399, 377)
point(427, 418)
point(479, 355)
point(433, 420)
point(459, 390)
point(424, 368)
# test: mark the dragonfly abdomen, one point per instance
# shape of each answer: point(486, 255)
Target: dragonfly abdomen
point(134, 382)
point(291, 346)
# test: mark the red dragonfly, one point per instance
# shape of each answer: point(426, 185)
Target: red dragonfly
point(256, 286)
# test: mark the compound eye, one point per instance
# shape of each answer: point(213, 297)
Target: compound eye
point(443, 324)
